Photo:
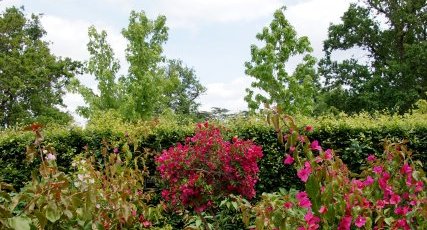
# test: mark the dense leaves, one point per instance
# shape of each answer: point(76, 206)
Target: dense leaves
point(393, 76)
point(32, 79)
point(293, 93)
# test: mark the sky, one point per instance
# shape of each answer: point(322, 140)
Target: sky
point(211, 36)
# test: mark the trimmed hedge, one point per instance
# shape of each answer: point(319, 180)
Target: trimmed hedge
point(352, 138)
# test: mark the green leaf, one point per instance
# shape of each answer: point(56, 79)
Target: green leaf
point(20, 223)
point(52, 212)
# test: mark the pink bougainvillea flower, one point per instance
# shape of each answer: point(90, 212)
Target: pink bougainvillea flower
point(345, 223)
point(395, 199)
point(381, 203)
point(301, 138)
point(308, 128)
point(288, 159)
point(377, 169)
point(311, 220)
point(292, 149)
point(371, 158)
point(323, 209)
point(318, 159)
point(315, 146)
point(146, 224)
point(288, 205)
point(304, 173)
point(402, 223)
point(328, 154)
point(419, 185)
point(369, 180)
point(406, 169)
point(303, 200)
point(360, 221)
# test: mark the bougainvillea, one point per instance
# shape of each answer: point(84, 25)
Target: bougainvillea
point(389, 194)
point(208, 167)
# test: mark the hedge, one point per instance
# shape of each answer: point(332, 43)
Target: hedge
point(352, 138)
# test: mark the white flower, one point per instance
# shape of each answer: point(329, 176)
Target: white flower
point(45, 151)
point(81, 177)
point(50, 157)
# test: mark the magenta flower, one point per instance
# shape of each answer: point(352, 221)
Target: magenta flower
point(371, 158)
point(288, 159)
point(406, 169)
point(345, 223)
point(395, 199)
point(369, 180)
point(315, 146)
point(303, 174)
point(360, 221)
point(303, 200)
point(377, 169)
point(328, 154)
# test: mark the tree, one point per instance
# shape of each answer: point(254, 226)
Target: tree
point(184, 88)
point(293, 93)
point(144, 85)
point(32, 80)
point(395, 77)
point(152, 83)
point(104, 67)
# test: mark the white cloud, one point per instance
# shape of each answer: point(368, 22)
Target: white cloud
point(9, 3)
point(190, 13)
point(226, 95)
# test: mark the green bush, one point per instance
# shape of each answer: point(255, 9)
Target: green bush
point(353, 138)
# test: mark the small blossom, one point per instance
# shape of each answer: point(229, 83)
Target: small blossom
point(360, 221)
point(288, 159)
point(116, 150)
point(315, 146)
point(288, 205)
point(323, 209)
point(303, 174)
point(369, 180)
point(406, 169)
point(309, 128)
point(328, 154)
point(292, 149)
point(378, 169)
point(50, 157)
point(371, 158)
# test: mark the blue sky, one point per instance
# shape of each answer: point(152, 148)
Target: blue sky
point(212, 36)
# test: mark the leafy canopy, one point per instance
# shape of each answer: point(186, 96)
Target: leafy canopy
point(32, 79)
point(293, 93)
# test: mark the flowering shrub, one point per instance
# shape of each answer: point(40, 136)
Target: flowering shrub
point(389, 194)
point(107, 194)
point(207, 168)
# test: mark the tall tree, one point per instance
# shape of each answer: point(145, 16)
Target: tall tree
point(144, 84)
point(104, 67)
point(152, 83)
point(184, 88)
point(293, 93)
point(393, 33)
point(32, 80)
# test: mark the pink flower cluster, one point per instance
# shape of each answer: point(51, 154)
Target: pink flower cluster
point(390, 188)
point(207, 167)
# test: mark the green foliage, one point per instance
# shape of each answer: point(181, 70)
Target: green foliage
point(393, 35)
point(102, 192)
point(152, 84)
point(293, 93)
point(352, 138)
point(184, 88)
point(32, 80)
